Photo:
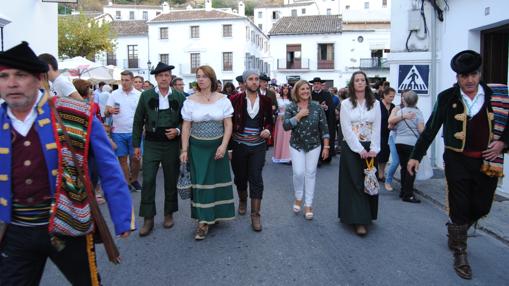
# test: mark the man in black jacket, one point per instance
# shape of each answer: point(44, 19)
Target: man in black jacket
point(324, 98)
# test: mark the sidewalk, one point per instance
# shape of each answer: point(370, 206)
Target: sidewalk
point(495, 224)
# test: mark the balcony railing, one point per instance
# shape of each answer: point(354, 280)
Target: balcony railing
point(325, 65)
point(131, 63)
point(296, 64)
point(373, 63)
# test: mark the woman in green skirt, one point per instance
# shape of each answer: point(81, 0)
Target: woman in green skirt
point(206, 130)
point(360, 124)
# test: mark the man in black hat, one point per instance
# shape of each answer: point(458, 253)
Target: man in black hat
point(41, 214)
point(466, 112)
point(158, 112)
point(324, 98)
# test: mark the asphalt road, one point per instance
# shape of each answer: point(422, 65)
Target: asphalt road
point(405, 246)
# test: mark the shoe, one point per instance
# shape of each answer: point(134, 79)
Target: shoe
point(388, 187)
point(148, 226)
point(361, 230)
point(411, 199)
point(168, 221)
point(308, 213)
point(136, 186)
point(201, 231)
point(296, 206)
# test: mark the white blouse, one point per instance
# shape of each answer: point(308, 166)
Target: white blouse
point(361, 125)
point(282, 103)
point(217, 111)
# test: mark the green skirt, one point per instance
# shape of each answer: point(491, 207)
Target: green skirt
point(212, 187)
point(355, 206)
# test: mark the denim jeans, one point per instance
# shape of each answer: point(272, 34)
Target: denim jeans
point(391, 170)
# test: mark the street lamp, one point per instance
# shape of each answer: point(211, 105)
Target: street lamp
point(149, 66)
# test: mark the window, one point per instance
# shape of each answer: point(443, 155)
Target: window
point(132, 56)
point(195, 32)
point(366, 5)
point(260, 26)
point(260, 15)
point(163, 33)
point(118, 15)
point(325, 56)
point(195, 62)
point(145, 15)
point(328, 11)
point(384, 3)
point(111, 59)
point(164, 58)
point(227, 30)
point(275, 15)
point(131, 15)
point(227, 61)
point(303, 11)
point(294, 12)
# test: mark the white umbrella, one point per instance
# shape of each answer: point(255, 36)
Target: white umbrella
point(79, 67)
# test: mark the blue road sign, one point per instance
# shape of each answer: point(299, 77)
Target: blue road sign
point(414, 77)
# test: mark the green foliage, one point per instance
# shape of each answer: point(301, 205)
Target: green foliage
point(82, 36)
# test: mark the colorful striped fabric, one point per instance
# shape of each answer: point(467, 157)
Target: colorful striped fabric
point(250, 137)
point(500, 105)
point(31, 216)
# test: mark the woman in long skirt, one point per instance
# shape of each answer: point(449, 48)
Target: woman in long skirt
point(360, 123)
point(281, 136)
point(206, 130)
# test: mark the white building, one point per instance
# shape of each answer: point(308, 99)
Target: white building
point(323, 46)
point(227, 41)
point(121, 12)
point(33, 21)
point(482, 26)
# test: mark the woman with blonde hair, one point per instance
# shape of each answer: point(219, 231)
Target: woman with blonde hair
point(206, 131)
point(307, 121)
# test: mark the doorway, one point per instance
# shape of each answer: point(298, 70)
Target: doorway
point(495, 53)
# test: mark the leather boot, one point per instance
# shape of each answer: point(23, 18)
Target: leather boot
point(256, 222)
point(458, 244)
point(242, 202)
point(168, 221)
point(148, 226)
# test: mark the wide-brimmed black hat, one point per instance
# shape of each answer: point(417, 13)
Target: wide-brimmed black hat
point(317, 79)
point(23, 58)
point(161, 67)
point(466, 62)
point(240, 79)
point(264, 77)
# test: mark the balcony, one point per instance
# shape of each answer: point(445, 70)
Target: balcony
point(373, 63)
point(325, 65)
point(296, 64)
point(131, 63)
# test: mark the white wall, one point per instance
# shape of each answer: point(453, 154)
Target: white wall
point(124, 13)
point(32, 21)
point(357, 10)
point(267, 21)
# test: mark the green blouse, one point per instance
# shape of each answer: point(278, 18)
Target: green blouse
point(307, 134)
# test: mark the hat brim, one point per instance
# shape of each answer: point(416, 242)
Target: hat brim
point(466, 62)
point(22, 64)
point(160, 70)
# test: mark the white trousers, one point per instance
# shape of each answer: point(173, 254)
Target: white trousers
point(304, 173)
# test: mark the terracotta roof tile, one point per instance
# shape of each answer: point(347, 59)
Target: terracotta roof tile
point(194, 15)
point(321, 24)
point(130, 28)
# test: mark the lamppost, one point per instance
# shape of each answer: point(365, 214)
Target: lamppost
point(149, 67)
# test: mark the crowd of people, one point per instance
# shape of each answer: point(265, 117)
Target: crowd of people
point(211, 130)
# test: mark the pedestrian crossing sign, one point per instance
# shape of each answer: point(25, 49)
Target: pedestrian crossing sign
point(414, 77)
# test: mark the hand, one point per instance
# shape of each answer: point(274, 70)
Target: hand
point(137, 153)
point(412, 166)
point(171, 133)
point(303, 112)
point(265, 134)
point(325, 153)
point(113, 110)
point(372, 154)
point(495, 148)
point(183, 157)
point(221, 150)
point(364, 154)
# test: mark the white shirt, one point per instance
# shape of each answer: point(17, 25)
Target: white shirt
point(473, 106)
point(164, 103)
point(359, 124)
point(252, 109)
point(197, 112)
point(23, 126)
point(62, 86)
point(123, 121)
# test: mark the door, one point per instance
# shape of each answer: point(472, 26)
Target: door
point(293, 57)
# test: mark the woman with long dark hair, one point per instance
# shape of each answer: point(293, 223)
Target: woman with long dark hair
point(360, 124)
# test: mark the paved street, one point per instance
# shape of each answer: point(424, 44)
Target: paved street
point(405, 246)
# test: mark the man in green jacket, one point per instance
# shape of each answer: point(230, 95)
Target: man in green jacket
point(158, 113)
point(466, 112)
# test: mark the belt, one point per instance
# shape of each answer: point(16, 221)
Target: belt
point(472, 154)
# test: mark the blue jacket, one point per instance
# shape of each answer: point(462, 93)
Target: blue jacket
point(112, 178)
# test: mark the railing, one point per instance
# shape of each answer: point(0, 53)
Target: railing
point(296, 64)
point(131, 63)
point(325, 65)
point(373, 63)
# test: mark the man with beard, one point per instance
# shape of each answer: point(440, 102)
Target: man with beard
point(252, 122)
point(324, 98)
point(158, 112)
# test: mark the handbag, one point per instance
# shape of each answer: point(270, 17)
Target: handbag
point(371, 186)
point(425, 170)
point(184, 181)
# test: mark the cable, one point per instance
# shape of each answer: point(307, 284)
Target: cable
point(407, 39)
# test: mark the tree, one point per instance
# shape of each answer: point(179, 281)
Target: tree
point(83, 36)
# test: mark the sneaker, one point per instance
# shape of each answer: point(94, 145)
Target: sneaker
point(136, 186)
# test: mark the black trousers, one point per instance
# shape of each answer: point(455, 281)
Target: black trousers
point(407, 180)
point(24, 251)
point(247, 165)
point(470, 191)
